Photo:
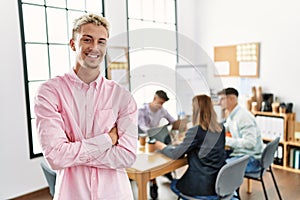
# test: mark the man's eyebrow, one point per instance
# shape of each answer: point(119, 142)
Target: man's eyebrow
point(87, 35)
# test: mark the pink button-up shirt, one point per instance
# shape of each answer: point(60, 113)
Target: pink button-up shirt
point(73, 121)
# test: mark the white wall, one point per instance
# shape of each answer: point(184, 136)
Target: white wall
point(18, 173)
point(190, 46)
point(273, 23)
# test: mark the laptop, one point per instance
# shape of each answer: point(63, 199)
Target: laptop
point(158, 133)
point(180, 124)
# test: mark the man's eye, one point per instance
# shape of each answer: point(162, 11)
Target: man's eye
point(87, 40)
point(102, 42)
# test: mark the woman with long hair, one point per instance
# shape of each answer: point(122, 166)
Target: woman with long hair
point(204, 146)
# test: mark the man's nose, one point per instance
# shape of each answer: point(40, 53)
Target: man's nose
point(93, 45)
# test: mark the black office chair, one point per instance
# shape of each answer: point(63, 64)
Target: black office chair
point(50, 176)
point(229, 179)
point(267, 159)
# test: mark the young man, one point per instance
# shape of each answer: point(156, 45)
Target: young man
point(245, 137)
point(151, 113)
point(87, 125)
point(149, 117)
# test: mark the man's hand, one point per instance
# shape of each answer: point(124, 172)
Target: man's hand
point(113, 133)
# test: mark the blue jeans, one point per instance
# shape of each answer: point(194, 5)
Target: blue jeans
point(176, 191)
point(253, 165)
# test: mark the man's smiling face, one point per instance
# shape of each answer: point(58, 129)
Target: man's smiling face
point(90, 45)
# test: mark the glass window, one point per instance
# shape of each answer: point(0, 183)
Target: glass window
point(57, 20)
point(37, 66)
point(94, 6)
point(56, 3)
point(151, 57)
point(147, 9)
point(135, 9)
point(160, 11)
point(34, 23)
point(152, 49)
point(169, 14)
point(58, 62)
point(76, 5)
point(35, 143)
point(33, 86)
point(39, 2)
point(46, 26)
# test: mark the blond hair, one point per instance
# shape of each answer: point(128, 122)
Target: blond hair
point(89, 18)
point(204, 114)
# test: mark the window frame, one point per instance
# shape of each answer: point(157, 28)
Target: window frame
point(160, 22)
point(30, 119)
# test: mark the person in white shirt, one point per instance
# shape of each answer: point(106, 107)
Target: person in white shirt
point(243, 135)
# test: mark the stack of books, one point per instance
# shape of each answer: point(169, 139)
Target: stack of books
point(294, 158)
point(278, 157)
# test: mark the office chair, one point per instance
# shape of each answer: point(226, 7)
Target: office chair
point(50, 176)
point(229, 179)
point(267, 159)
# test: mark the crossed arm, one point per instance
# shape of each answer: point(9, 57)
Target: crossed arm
point(115, 149)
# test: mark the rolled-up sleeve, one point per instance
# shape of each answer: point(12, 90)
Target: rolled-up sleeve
point(63, 142)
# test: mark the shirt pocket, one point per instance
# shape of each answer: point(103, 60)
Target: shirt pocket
point(105, 120)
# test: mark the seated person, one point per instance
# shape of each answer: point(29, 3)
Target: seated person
point(151, 113)
point(149, 116)
point(245, 137)
point(204, 145)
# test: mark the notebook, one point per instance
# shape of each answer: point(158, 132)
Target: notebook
point(158, 133)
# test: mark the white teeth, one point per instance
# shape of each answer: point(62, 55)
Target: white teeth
point(92, 56)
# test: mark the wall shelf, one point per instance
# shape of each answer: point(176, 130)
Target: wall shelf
point(285, 143)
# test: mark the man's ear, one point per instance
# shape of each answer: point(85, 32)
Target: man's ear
point(72, 44)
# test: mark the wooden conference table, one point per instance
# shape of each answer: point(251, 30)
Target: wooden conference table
point(149, 166)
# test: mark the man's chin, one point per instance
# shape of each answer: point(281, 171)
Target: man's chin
point(92, 65)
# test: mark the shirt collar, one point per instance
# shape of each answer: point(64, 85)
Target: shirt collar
point(78, 82)
point(234, 111)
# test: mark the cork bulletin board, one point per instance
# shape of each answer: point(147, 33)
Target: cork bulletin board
point(240, 60)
